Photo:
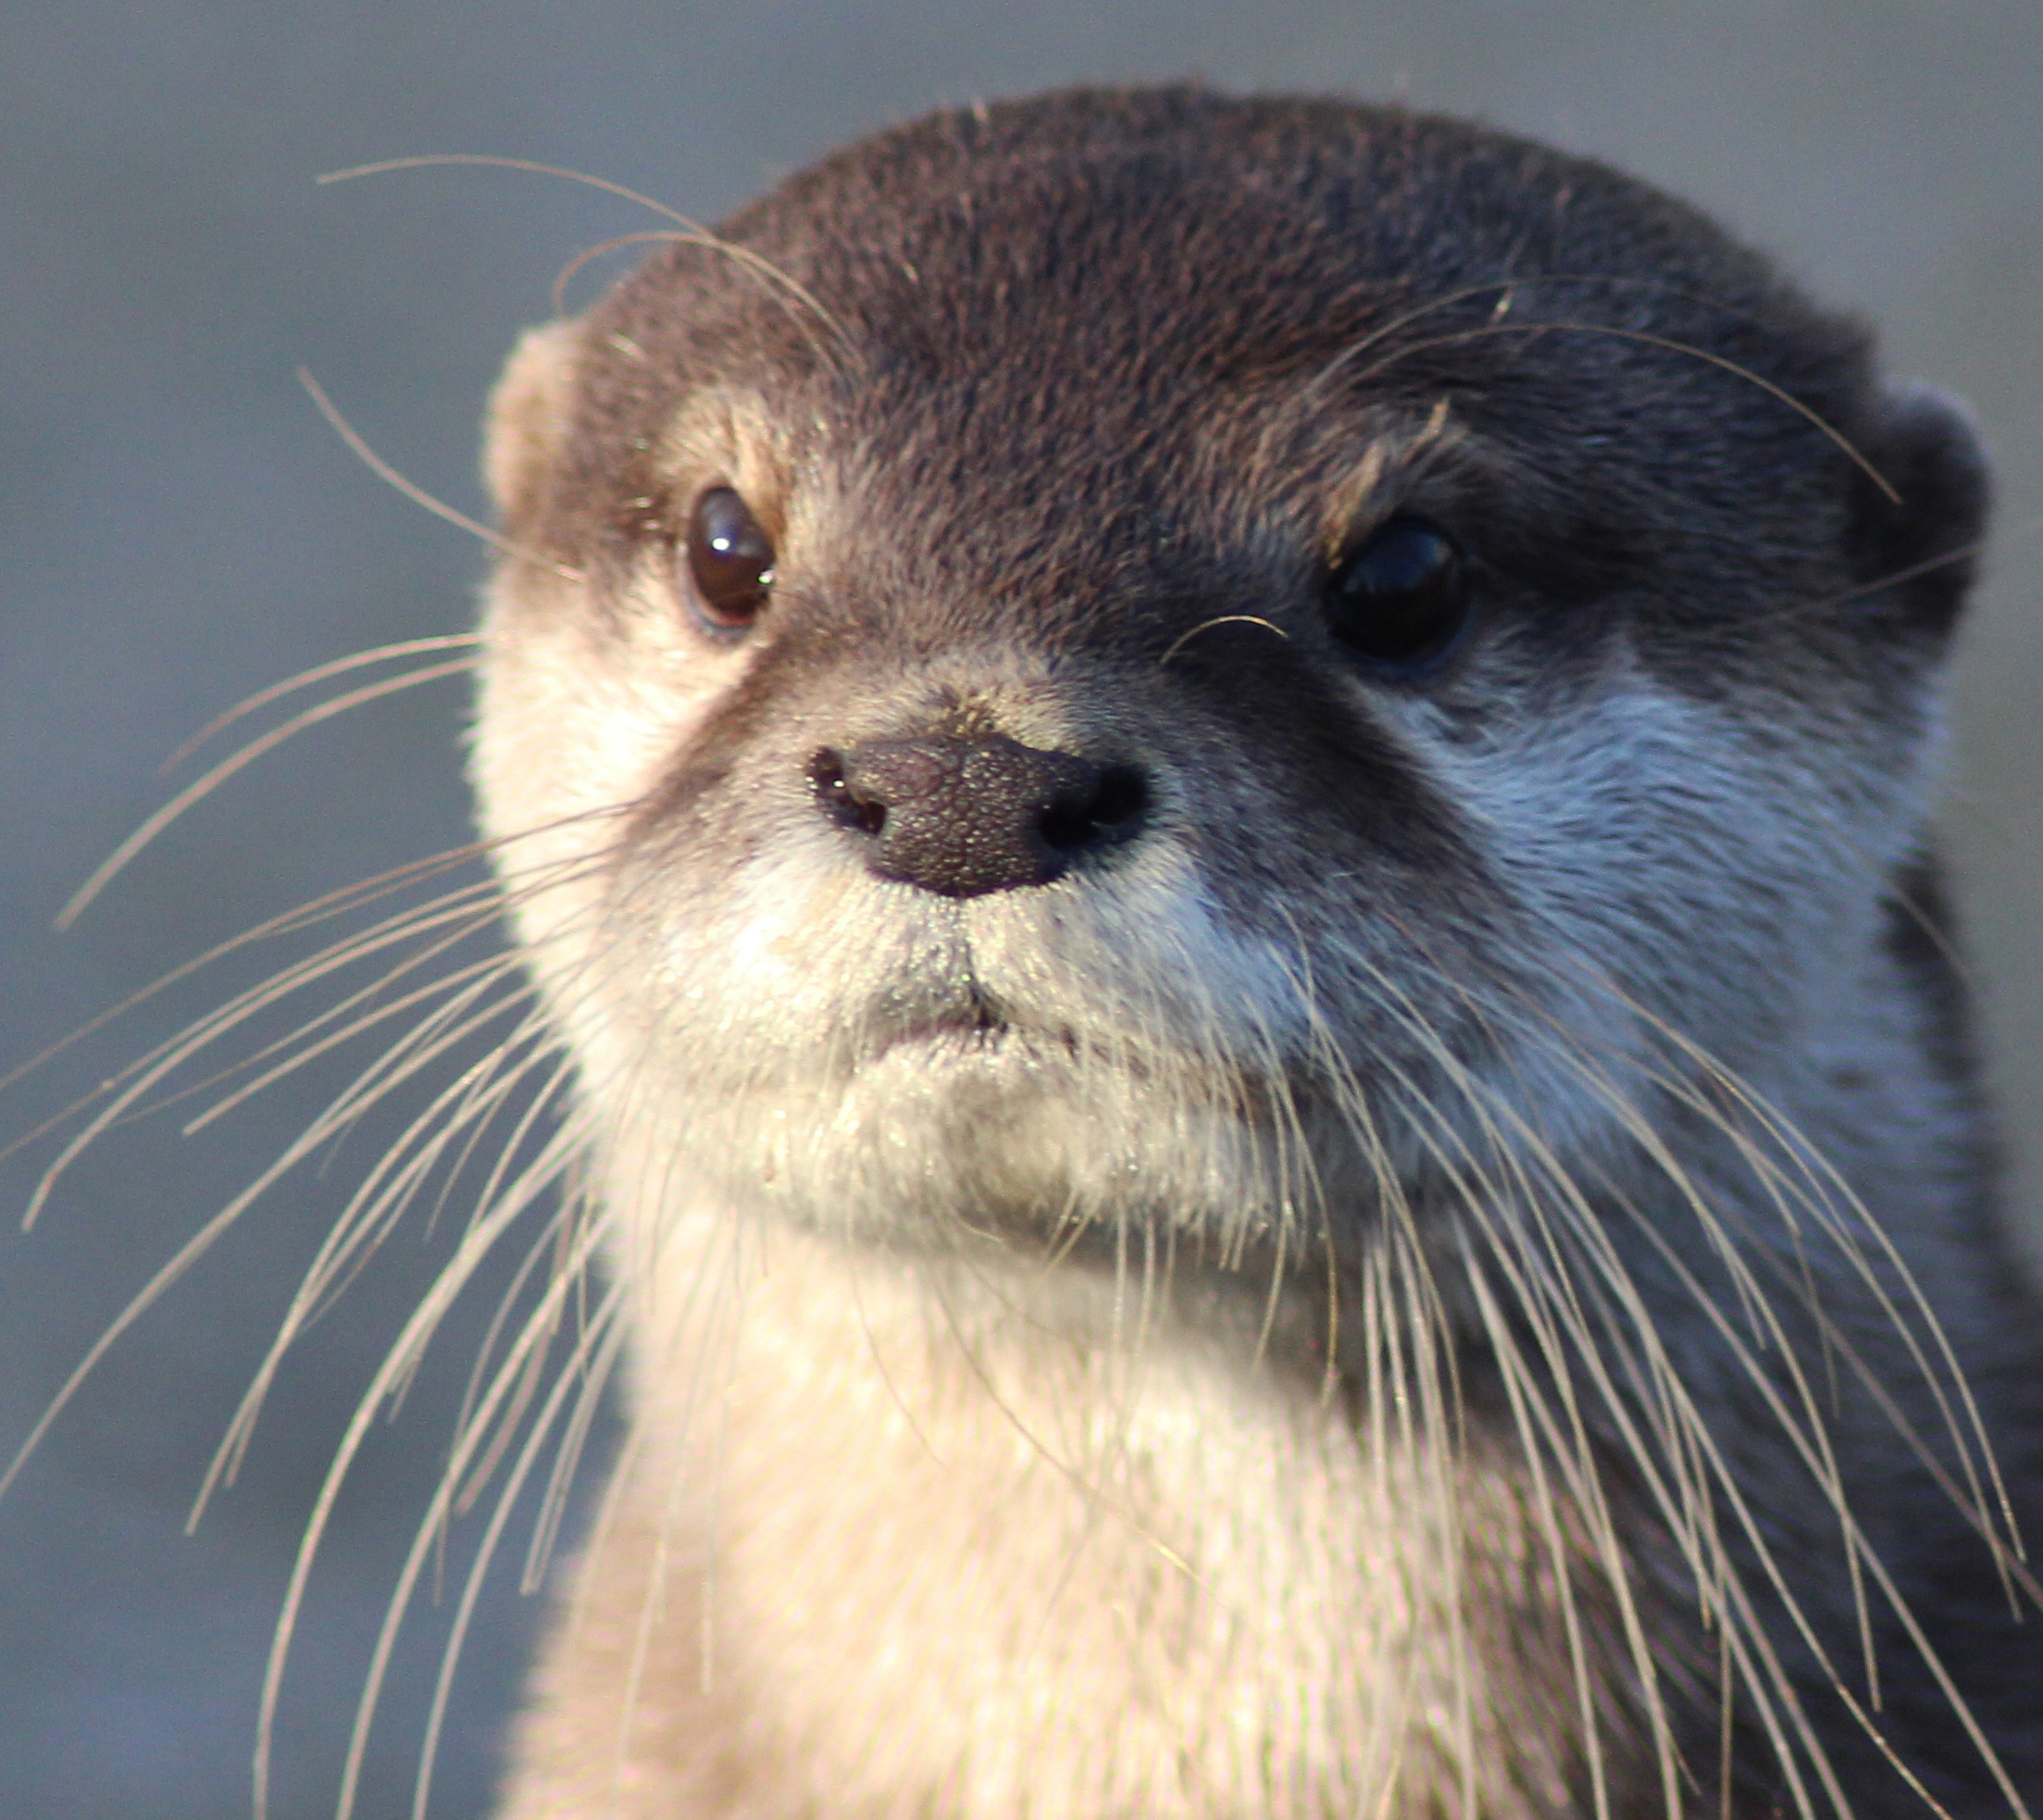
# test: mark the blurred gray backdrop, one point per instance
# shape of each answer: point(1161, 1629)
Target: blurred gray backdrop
point(179, 528)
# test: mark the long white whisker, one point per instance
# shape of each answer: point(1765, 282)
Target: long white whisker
point(474, 1246)
point(202, 787)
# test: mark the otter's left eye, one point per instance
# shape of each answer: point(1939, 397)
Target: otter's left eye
point(1403, 597)
point(729, 561)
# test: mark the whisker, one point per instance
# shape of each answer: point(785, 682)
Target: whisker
point(331, 905)
point(582, 1422)
point(1811, 1445)
point(317, 673)
point(370, 1212)
point(1844, 1219)
point(129, 1082)
point(1506, 289)
point(297, 1052)
point(1640, 337)
point(1185, 638)
point(536, 1259)
point(656, 237)
point(1826, 1197)
point(595, 1355)
point(197, 791)
point(359, 447)
point(435, 160)
point(474, 1246)
point(536, 1334)
point(1534, 1287)
point(694, 232)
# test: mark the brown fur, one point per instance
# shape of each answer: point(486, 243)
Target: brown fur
point(1391, 1285)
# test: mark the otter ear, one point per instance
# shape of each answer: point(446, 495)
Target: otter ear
point(1914, 556)
point(528, 417)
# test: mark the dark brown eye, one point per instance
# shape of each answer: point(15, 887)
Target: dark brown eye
point(1403, 598)
point(729, 561)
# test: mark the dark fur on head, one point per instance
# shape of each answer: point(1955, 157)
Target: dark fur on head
point(1566, 994)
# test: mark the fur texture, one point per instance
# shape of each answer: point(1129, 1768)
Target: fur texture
point(1446, 1268)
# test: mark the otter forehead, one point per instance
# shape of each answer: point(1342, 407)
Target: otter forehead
point(1174, 347)
point(1175, 240)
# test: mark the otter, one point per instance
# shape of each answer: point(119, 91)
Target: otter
point(1223, 805)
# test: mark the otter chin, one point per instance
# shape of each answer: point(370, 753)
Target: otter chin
point(1223, 805)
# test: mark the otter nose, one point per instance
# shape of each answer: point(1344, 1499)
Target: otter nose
point(960, 818)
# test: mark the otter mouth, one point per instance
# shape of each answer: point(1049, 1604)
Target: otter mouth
point(969, 1018)
point(978, 1026)
point(983, 1043)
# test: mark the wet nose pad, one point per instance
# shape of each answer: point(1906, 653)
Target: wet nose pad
point(962, 818)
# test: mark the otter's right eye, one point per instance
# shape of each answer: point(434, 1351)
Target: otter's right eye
point(729, 561)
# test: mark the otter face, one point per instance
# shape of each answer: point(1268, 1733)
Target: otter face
point(1152, 657)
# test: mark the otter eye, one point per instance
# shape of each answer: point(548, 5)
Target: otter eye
point(1403, 598)
point(729, 561)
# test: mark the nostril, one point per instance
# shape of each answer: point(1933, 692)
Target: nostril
point(1117, 797)
point(960, 818)
point(840, 801)
point(1123, 794)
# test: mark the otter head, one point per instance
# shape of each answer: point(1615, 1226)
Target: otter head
point(1151, 659)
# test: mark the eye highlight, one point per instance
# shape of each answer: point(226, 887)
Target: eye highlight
point(729, 561)
point(1403, 597)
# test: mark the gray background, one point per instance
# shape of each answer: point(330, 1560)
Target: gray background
point(177, 529)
